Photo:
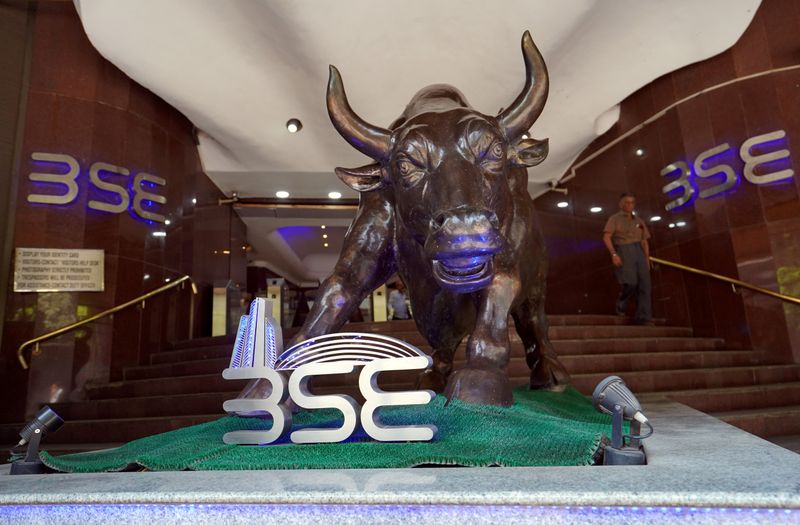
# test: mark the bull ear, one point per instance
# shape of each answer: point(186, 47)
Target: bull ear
point(528, 152)
point(365, 178)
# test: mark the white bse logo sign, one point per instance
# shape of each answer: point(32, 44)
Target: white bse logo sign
point(256, 356)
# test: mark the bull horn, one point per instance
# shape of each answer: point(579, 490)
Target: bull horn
point(370, 140)
point(527, 107)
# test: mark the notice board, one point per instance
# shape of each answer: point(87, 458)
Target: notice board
point(57, 270)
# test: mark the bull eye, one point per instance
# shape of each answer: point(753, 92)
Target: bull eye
point(497, 150)
point(410, 173)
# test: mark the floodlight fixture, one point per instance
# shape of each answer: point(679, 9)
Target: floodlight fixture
point(612, 396)
point(46, 420)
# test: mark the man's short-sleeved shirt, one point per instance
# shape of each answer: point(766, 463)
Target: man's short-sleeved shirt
point(626, 230)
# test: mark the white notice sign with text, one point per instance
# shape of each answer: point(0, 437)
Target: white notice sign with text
point(56, 270)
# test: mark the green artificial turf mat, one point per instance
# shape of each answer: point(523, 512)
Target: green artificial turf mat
point(539, 429)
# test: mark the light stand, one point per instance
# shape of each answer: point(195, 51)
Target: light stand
point(46, 420)
point(613, 397)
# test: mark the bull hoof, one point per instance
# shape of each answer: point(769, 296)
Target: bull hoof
point(480, 386)
point(431, 380)
point(549, 374)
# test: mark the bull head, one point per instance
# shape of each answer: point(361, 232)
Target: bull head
point(448, 166)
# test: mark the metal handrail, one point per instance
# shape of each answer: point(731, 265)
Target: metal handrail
point(132, 302)
point(734, 282)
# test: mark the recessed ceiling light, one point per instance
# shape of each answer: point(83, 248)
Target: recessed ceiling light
point(595, 209)
point(167, 222)
point(159, 234)
point(146, 276)
point(639, 152)
point(680, 224)
point(672, 225)
point(282, 194)
point(323, 226)
point(655, 218)
point(194, 200)
point(562, 204)
point(167, 280)
point(325, 245)
point(324, 235)
point(294, 125)
point(334, 195)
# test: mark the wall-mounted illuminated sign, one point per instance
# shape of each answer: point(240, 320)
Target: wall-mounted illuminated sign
point(704, 168)
point(257, 354)
point(118, 198)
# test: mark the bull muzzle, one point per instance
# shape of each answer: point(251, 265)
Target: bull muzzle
point(461, 246)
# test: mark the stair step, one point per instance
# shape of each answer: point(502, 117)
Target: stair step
point(574, 363)
point(670, 380)
point(764, 422)
point(145, 406)
point(562, 347)
point(164, 386)
point(558, 333)
point(112, 430)
point(734, 398)
point(554, 320)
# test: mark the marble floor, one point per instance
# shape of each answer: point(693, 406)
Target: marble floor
point(700, 470)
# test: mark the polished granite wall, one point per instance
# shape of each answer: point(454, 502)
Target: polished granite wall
point(750, 232)
point(79, 104)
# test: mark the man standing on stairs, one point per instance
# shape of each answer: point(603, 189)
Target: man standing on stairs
point(625, 235)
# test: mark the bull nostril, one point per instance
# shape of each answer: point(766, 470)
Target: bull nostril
point(438, 221)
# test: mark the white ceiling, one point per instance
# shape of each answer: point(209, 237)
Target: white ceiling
point(240, 69)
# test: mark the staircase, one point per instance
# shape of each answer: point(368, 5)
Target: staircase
point(183, 386)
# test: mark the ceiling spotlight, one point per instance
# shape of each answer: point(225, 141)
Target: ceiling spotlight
point(595, 209)
point(323, 226)
point(325, 245)
point(680, 224)
point(655, 218)
point(282, 194)
point(146, 276)
point(45, 420)
point(159, 234)
point(194, 200)
point(672, 225)
point(324, 235)
point(639, 152)
point(612, 396)
point(167, 280)
point(294, 125)
point(334, 195)
point(562, 204)
point(167, 222)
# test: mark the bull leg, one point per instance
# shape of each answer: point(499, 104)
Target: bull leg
point(484, 379)
point(547, 372)
point(443, 318)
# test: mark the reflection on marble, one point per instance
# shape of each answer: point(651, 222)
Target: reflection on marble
point(699, 468)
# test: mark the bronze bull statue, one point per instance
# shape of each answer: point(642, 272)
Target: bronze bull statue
point(446, 206)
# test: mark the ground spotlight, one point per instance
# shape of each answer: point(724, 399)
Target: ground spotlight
point(612, 396)
point(45, 420)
